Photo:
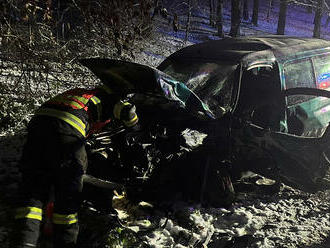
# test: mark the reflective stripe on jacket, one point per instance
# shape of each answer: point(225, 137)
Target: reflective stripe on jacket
point(67, 105)
point(64, 116)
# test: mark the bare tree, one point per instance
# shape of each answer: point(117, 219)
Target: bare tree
point(175, 22)
point(188, 19)
point(327, 11)
point(270, 6)
point(282, 17)
point(255, 12)
point(317, 19)
point(309, 8)
point(220, 18)
point(235, 18)
point(212, 5)
point(245, 10)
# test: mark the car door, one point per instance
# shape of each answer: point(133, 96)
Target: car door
point(260, 99)
point(261, 142)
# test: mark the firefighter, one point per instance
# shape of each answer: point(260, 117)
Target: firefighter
point(54, 159)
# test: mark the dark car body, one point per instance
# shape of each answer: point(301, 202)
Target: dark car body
point(275, 90)
point(263, 99)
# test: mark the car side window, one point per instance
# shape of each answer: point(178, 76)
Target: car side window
point(322, 70)
point(299, 73)
point(307, 115)
point(260, 98)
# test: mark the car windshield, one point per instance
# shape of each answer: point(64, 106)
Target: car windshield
point(212, 82)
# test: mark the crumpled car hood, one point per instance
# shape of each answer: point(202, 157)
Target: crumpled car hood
point(125, 77)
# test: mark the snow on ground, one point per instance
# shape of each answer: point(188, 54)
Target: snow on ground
point(285, 219)
point(261, 217)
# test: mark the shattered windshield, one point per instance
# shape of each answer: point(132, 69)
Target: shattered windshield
point(211, 82)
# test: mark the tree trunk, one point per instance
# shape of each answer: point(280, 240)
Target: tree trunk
point(220, 19)
point(282, 17)
point(255, 12)
point(188, 20)
point(317, 19)
point(212, 11)
point(270, 6)
point(246, 10)
point(235, 18)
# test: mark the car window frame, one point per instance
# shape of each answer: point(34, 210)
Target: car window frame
point(309, 56)
point(243, 69)
point(285, 86)
point(295, 90)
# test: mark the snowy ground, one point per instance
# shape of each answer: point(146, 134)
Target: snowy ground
point(261, 216)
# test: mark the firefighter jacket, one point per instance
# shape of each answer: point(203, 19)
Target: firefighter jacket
point(88, 111)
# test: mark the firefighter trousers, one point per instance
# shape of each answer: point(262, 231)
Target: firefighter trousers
point(51, 162)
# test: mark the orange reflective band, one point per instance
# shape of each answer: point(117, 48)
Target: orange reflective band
point(66, 101)
point(74, 101)
point(80, 99)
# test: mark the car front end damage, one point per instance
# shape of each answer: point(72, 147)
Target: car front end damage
point(274, 99)
point(208, 96)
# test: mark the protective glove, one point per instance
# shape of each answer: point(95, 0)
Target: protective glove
point(126, 112)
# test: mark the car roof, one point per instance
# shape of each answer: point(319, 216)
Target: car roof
point(249, 49)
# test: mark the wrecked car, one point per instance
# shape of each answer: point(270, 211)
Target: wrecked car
point(213, 110)
point(274, 91)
